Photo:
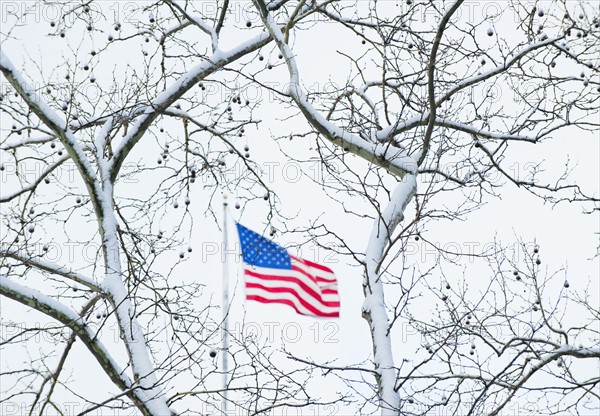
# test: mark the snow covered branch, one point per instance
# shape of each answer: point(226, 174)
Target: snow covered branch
point(34, 185)
point(124, 135)
point(374, 307)
point(54, 123)
point(178, 89)
point(395, 161)
point(75, 322)
point(52, 268)
point(199, 22)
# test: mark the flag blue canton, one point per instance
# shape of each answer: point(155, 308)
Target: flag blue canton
point(262, 252)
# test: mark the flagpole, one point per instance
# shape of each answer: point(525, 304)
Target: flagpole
point(225, 306)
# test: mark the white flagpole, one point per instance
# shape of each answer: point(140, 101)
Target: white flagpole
point(225, 305)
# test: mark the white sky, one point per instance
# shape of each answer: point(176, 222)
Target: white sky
point(566, 237)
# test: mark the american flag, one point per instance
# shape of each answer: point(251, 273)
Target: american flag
point(274, 276)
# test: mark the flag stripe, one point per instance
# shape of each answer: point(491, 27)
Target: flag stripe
point(291, 294)
point(330, 300)
point(312, 264)
point(321, 275)
point(274, 276)
point(293, 287)
point(264, 297)
point(318, 280)
point(278, 300)
point(308, 283)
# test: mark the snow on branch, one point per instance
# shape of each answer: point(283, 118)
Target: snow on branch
point(52, 268)
point(456, 125)
point(394, 161)
point(497, 70)
point(55, 123)
point(374, 309)
point(541, 363)
point(178, 89)
point(33, 186)
point(48, 306)
point(422, 119)
point(198, 21)
point(26, 142)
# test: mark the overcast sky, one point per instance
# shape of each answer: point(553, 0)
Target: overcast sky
point(567, 238)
